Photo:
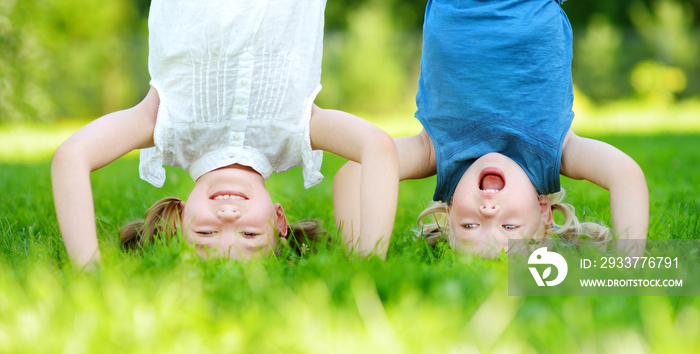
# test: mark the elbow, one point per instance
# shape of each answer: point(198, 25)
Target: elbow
point(378, 152)
point(633, 171)
point(384, 147)
point(66, 156)
point(383, 143)
point(346, 175)
point(61, 156)
point(628, 179)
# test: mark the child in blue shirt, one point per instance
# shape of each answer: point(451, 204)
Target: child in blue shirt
point(495, 100)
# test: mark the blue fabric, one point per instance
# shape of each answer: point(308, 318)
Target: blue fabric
point(496, 77)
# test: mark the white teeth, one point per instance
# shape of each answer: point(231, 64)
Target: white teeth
point(228, 196)
point(490, 190)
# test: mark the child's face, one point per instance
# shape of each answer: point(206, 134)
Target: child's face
point(493, 202)
point(230, 214)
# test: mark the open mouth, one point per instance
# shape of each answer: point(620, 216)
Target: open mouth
point(228, 195)
point(491, 180)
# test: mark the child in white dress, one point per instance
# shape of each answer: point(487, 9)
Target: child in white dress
point(231, 102)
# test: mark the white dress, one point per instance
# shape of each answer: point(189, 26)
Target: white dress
point(236, 81)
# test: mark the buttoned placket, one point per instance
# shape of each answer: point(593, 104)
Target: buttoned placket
point(242, 99)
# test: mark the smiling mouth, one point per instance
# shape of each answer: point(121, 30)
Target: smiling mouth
point(491, 180)
point(228, 195)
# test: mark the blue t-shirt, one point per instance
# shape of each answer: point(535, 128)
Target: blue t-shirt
point(496, 77)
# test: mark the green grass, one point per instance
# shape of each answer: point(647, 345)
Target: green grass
point(418, 300)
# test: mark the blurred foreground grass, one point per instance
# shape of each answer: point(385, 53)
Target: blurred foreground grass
point(418, 300)
point(327, 304)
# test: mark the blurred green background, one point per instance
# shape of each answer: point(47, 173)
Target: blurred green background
point(64, 62)
point(84, 58)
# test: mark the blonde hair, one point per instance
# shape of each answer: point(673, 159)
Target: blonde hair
point(434, 225)
point(304, 237)
point(163, 218)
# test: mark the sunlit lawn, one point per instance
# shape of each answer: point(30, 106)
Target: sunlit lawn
point(418, 300)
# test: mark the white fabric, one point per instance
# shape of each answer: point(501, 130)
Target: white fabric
point(236, 81)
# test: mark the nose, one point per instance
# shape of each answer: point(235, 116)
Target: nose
point(488, 208)
point(228, 214)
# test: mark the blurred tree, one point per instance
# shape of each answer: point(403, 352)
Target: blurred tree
point(645, 48)
point(367, 66)
point(96, 48)
point(88, 57)
point(24, 66)
point(406, 14)
point(596, 59)
point(667, 28)
point(69, 57)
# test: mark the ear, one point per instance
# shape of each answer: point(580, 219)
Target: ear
point(281, 220)
point(181, 209)
point(545, 209)
point(181, 214)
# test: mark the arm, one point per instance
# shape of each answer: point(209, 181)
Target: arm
point(375, 196)
point(416, 160)
point(92, 147)
point(612, 169)
point(416, 156)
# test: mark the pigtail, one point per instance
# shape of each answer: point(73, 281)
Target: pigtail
point(436, 228)
point(162, 219)
point(573, 231)
point(305, 236)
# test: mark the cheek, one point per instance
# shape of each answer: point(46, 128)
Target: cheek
point(189, 215)
point(486, 247)
point(535, 232)
point(461, 201)
point(462, 244)
point(272, 239)
point(540, 232)
point(257, 247)
point(465, 242)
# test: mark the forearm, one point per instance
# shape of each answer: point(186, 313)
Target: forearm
point(364, 201)
point(346, 202)
point(378, 199)
point(74, 207)
point(365, 194)
point(92, 147)
point(415, 161)
point(415, 156)
point(629, 205)
point(612, 169)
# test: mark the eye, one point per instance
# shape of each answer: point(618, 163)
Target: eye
point(249, 234)
point(206, 233)
point(509, 227)
point(470, 226)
